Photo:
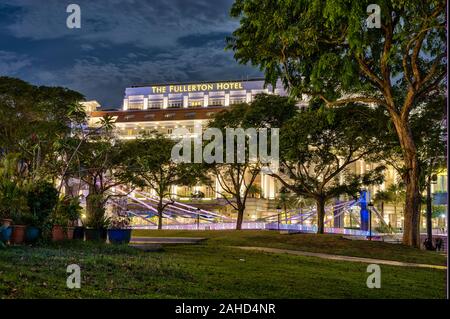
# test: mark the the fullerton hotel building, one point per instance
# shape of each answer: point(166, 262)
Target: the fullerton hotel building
point(164, 107)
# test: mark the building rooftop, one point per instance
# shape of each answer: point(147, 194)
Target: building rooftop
point(151, 115)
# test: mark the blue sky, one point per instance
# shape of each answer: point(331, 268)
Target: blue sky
point(120, 43)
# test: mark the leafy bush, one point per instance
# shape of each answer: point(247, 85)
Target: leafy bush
point(42, 198)
point(96, 212)
point(120, 222)
point(68, 211)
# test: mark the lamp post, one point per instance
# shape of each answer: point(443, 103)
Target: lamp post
point(370, 205)
point(198, 218)
point(278, 216)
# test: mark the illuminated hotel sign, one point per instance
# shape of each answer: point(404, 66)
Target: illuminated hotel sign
point(193, 88)
point(202, 87)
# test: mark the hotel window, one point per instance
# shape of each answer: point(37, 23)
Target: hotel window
point(190, 115)
point(129, 117)
point(175, 104)
point(195, 103)
point(155, 105)
point(169, 115)
point(169, 131)
point(237, 100)
point(149, 116)
point(216, 102)
point(135, 105)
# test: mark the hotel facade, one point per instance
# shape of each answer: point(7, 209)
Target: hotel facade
point(165, 107)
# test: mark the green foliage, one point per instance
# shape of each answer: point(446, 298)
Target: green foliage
point(13, 202)
point(152, 166)
point(236, 179)
point(96, 217)
point(120, 222)
point(68, 210)
point(325, 49)
point(33, 120)
point(42, 197)
point(318, 146)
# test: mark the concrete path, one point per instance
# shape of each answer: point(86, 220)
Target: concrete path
point(166, 240)
point(342, 258)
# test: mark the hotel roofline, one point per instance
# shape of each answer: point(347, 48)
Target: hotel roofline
point(194, 82)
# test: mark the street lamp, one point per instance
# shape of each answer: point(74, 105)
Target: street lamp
point(278, 216)
point(198, 218)
point(370, 205)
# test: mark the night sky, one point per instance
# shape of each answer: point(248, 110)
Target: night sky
point(120, 43)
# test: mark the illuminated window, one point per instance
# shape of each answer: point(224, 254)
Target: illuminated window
point(175, 103)
point(237, 101)
point(155, 105)
point(217, 102)
point(195, 103)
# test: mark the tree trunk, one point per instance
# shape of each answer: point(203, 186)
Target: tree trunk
point(411, 179)
point(160, 213)
point(240, 217)
point(429, 211)
point(320, 215)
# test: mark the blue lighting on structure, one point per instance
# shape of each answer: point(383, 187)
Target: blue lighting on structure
point(363, 195)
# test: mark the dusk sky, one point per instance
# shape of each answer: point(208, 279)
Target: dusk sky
point(120, 43)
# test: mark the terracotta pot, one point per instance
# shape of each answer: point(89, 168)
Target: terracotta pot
point(6, 222)
point(69, 232)
point(57, 233)
point(18, 234)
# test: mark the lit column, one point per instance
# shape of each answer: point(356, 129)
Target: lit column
point(145, 103)
point(248, 98)
point(165, 102)
point(205, 100)
point(264, 185)
point(125, 104)
point(227, 99)
point(185, 101)
point(218, 187)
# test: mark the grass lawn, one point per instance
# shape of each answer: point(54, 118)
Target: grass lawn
point(330, 244)
point(215, 270)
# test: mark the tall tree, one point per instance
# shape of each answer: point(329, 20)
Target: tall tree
point(102, 165)
point(236, 179)
point(327, 50)
point(152, 166)
point(317, 148)
point(33, 120)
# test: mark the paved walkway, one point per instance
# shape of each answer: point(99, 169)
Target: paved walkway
point(342, 258)
point(167, 240)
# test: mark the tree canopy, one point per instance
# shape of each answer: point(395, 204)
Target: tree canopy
point(326, 50)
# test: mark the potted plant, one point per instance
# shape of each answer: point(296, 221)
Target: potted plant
point(58, 221)
point(69, 209)
point(33, 230)
point(5, 234)
point(96, 230)
point(12, 203)
point(42, 197)
point(119, 231)
point(18, 230)
point(97, 222)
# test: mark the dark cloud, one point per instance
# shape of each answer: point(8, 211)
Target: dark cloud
point(121, 42)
